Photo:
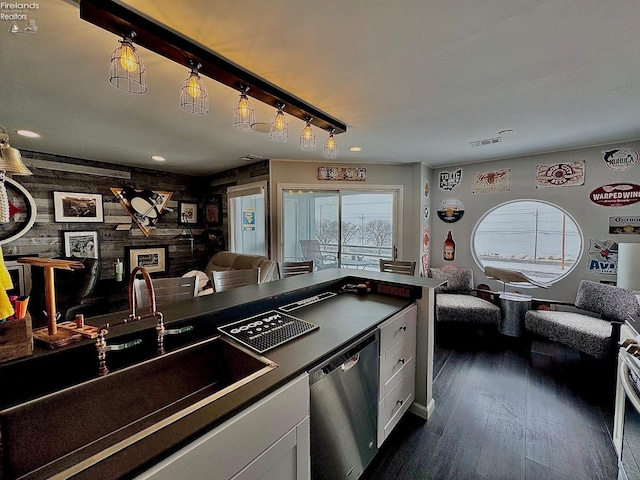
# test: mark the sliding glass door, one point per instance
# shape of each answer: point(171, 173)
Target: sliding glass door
point(352, 228)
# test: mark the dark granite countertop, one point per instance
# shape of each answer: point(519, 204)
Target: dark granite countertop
point(342, 319)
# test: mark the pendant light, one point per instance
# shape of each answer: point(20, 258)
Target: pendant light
point(244, 116)
point(10, 162)
point(193, 93)
point(127, 71)
point(279, 126)
point(330, 147)
point(307, 137)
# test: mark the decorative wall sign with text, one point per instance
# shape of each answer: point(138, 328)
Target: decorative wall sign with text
point(495, 181)
point(450, 210)
point(144, 206)
point(560, 174)
point(620, 158)
point(603, 256)
point(342, 173)
point(616, 195)
point(448, 180)
point(621, 225)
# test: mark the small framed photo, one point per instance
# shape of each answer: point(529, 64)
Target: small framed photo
point(153, 259)
point(187, 212)
point(80, 244)
point(213, 210)
point(77, 207)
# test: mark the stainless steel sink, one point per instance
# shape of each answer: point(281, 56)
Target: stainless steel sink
point(123, 405)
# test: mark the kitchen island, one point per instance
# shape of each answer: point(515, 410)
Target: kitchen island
point(342, 319)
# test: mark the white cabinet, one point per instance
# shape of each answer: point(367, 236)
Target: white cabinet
point(269, 440)
point(397, 369)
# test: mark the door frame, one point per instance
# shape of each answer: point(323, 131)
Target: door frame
point(397, 190)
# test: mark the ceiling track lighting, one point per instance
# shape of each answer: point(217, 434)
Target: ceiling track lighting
point(279, 126)
point(193, 93)
point(244, 115)
point(307, 141)
point(156, 37)
point(127, 71)
point(330, 149)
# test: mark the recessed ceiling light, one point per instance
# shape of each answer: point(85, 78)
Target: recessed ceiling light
point(355, 149)
point(28, 133)
point(158, 158)
point(505, 132)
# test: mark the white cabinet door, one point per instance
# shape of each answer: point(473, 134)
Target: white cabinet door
point(287, 459)
point(230, 447)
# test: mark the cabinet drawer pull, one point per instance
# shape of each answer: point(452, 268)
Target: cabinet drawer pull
point(403, 328)
point(400, 402)
point(401, 361)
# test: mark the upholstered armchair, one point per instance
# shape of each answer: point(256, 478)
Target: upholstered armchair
point(593, 325)
point(456, 301)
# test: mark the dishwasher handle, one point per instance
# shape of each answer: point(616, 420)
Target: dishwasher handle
point(349, 364)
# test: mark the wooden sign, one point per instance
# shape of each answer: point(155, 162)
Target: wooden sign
point(342, 173)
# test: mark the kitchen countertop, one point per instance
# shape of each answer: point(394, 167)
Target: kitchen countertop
point(342, 319)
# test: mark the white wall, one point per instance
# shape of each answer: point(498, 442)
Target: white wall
point(593, 219)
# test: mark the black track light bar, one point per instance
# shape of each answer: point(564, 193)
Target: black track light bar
point(158, 38)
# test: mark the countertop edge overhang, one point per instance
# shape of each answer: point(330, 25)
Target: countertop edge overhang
point(293, 359)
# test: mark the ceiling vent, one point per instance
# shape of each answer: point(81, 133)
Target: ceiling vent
point(486, 141)
point(251, 158)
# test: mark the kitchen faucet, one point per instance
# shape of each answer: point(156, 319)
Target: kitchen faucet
point(101, 344)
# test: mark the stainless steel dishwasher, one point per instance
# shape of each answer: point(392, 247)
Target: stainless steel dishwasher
point(344, 392)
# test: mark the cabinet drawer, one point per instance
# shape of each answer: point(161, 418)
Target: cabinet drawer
point(396, 362)
point(225, 450)
point(393, 406)
point(397, 327)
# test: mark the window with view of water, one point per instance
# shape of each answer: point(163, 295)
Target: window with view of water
point(534, 237)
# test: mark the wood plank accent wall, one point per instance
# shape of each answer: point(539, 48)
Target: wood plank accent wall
point(45, 237)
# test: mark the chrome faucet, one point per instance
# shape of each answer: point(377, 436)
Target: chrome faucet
point(101, 343)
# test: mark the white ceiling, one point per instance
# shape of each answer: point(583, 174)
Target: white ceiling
point(415, 81)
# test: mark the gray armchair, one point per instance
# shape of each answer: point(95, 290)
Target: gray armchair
point(593, 326)
point(456, 300)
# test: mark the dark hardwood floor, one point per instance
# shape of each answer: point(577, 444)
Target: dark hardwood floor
point(507, 409)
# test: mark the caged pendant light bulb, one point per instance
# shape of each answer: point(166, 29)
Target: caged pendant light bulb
point(244, 116)
point(279, 126)
point(127, 71)
point(307, 137)
point(330, 147)
point(193, 93)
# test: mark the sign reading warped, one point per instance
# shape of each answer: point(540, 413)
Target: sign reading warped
point(560, 174)
point(603, 256)
point(616, 194)
point(496, 181)
point(342, 173)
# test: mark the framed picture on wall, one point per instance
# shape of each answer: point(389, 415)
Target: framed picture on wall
point(213, 210)
point(187, 213)
point(71, 207)
point(153, 259)
point(80, 244)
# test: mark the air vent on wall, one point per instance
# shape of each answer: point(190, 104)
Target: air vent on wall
point(486, 141)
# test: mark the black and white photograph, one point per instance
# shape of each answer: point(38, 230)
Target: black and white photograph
point(81, 244)
point(77, 207)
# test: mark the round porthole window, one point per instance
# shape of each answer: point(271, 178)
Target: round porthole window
point(537, 238)
point(22, 212)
